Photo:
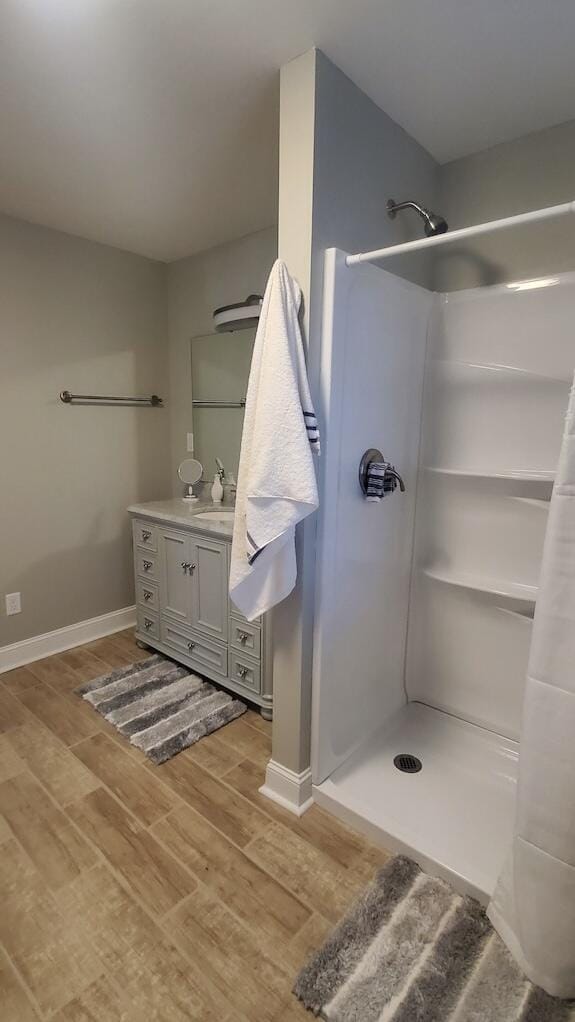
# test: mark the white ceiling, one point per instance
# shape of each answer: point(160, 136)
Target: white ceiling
point(152, 124)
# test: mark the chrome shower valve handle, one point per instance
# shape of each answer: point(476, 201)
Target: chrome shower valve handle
point(391, 477)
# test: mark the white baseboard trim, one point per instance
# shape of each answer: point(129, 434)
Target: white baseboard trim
point(21, 653)
point(290, 790)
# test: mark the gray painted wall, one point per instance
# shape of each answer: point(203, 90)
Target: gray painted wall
point(292, 619)
point(197, 286)
point(85, 317)
point(528, 173)
point(362, 158)
point(80, 316)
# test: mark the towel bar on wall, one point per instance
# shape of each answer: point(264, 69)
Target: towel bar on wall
point(218, 404)
point(98, 399)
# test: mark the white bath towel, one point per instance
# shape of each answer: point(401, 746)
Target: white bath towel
point(276, 482)
point(533, 906)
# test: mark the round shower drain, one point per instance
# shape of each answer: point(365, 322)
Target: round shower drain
point(407, 763)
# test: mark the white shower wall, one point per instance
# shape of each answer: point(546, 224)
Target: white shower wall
point(373, 355)
point(424, 601)
point(499, 362)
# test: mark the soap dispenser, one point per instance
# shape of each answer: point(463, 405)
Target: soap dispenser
point(217, 488)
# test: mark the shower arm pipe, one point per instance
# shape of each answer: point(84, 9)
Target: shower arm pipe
point(548, 213)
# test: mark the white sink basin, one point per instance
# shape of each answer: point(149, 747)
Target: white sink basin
point(216, 516)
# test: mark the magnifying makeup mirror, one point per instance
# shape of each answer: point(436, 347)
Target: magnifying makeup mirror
point(190, 472)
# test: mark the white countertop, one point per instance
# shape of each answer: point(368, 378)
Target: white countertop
point(177, 511)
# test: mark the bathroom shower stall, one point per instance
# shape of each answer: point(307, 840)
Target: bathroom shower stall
point(425, 600)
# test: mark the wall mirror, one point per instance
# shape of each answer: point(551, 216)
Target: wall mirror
point(220, 369)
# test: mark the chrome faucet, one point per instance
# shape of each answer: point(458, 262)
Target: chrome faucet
point(391, 479)
point(231, 485)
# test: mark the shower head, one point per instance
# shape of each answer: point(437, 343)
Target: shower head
point(433, 223)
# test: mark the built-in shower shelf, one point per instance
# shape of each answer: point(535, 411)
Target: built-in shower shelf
point(517, 476)
point(500, 588)
point(479, 369)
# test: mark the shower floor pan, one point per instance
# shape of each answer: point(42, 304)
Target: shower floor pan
point(454, 817)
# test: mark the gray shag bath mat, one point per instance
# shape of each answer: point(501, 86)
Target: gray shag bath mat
point(160, 706)
point(412, 950)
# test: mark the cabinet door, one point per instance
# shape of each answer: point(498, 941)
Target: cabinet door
point(175, 577)
point(210, 587)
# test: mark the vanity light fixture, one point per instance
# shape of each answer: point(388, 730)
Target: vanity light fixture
point(238, 316)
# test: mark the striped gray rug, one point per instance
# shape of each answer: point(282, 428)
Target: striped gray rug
point(412, 950)
point(160, 706)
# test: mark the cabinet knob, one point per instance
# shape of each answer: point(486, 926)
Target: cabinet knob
point(241, 672)
point(147, 623)
point(146, 535)
point(191, 645)
point(147, 565)
point(147, 594)
point(191, 567)
point(185, 566)
point(243, 637)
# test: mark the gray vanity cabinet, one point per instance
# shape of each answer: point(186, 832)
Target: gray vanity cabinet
point(183, 608)
point(194, 581)
point(209, 577)
point(175, 589)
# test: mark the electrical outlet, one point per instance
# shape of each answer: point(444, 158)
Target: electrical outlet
point(13, 603)
point(190, 443)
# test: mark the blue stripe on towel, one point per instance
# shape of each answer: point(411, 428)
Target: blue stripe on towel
point(375, 482)
point(312, 430)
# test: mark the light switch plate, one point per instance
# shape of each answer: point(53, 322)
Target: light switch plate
point(13, 603)
point(190, 443)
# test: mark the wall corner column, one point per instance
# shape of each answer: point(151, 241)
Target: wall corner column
point(288, 777)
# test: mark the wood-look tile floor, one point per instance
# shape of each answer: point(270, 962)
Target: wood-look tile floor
point(140, 893)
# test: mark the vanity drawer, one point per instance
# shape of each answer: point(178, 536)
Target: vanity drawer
point(145, 535)
point(202, 652)
point(147, 595)
point(245, 671)
point(148, 623)
point(146, 564)
point(245, 637)
point(238, 614)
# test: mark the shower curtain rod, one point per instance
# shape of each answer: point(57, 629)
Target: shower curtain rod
point(548, 213)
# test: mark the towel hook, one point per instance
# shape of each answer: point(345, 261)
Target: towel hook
point(391, 477)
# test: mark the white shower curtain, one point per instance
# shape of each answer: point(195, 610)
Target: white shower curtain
point(533, 907)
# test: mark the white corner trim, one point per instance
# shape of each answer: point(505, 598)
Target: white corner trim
point(288, 789)
point(21, 653)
